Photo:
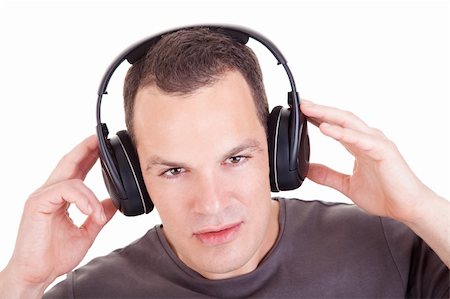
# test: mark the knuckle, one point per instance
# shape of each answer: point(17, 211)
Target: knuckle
point(377, 132)
point(36, 196)
point(73, 184)
point(388, 144)
point(391, 144)
point(35, 201)
point(31, 201)
point(350, 114)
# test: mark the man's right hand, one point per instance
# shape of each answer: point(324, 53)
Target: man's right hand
point(49, 244)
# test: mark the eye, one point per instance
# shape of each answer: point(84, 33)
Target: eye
point(236, 160)
point(173, 172)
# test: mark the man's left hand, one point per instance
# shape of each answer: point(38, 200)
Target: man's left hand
point(381, 183)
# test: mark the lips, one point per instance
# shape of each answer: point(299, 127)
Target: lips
point(218, 236)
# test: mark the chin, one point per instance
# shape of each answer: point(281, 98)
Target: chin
point(226, 265)
point(227, 260)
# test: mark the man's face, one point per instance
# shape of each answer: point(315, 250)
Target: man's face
point(205, 164)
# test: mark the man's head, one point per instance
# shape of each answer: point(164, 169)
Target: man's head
point(186, 60)
point(200, 136)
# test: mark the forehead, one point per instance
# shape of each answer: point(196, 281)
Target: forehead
point(223, 110)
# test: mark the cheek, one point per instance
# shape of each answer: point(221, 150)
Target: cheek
point(167, 198)
point(254, 190)
point(256, 177)
point(251, 184)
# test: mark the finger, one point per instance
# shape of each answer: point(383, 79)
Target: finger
point(54, 198)
point(372, 145)
point(77, 163)
point(92, 226)
point(109, 209)
point(97, 208)
point(319, 114)
point(326, 176)
point(314, 121)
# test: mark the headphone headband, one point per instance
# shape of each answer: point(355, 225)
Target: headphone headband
point(239, 34)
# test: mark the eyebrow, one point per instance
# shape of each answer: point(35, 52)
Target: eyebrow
point(249, 144)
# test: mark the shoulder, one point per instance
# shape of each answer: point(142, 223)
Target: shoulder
point(325, 214)
point(328, 221)
point(110, 275)
point(342, 238)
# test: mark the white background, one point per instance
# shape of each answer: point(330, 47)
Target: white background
point(387, 61)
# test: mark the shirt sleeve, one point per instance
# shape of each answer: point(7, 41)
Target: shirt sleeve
point(423, 273)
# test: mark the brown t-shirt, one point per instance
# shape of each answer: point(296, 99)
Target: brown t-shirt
point(323, 250)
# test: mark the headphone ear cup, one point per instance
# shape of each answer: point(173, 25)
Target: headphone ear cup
point(137, 200)
point(281, 176)
point(278, 146)
point(110, 185)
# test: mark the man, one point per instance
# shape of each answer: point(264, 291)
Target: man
point(196, 111)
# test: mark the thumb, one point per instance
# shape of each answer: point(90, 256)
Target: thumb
point(326, 176)
point(92, 226)
point(109, 209)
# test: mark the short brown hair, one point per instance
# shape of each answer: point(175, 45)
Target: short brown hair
point(188, 59)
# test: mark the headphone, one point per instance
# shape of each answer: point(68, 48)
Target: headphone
point(288, 141)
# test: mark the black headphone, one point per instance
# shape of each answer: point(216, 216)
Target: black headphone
point(288, 141)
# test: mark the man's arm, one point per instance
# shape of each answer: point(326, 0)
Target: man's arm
point(48, 243)
point(382, 182)
point(432, 224)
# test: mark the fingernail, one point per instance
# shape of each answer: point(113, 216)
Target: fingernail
point(306, 102)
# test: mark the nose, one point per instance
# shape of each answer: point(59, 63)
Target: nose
point(209, 198)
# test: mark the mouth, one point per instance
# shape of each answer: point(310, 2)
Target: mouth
point(218, 236)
